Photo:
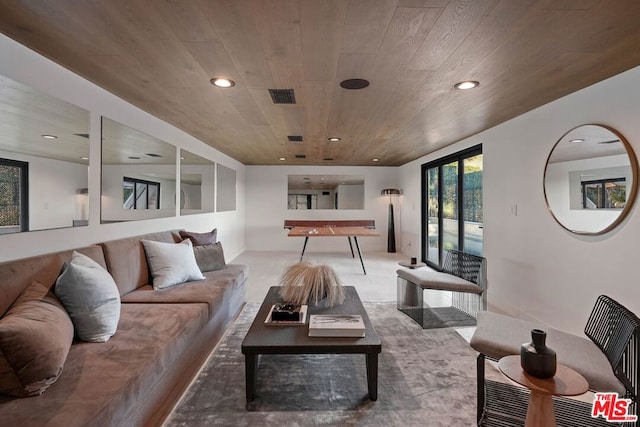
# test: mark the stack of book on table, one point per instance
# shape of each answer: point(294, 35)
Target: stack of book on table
point(336, 325)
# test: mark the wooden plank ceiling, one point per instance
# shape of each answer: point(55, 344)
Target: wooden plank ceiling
point(160, 55)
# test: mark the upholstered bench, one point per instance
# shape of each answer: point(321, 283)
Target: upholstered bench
point(607, 357)
point(463, 274)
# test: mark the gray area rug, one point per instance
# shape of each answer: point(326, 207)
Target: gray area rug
point(426, 378)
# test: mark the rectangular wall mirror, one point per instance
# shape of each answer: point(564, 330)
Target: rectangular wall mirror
point(197, 179)
point(325, 192)
point(226, 195)
point(138, 175)
point(44, 160)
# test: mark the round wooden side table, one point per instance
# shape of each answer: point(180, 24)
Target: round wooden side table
point(566, 382)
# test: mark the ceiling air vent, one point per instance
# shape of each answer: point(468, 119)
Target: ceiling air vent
point(300, 156)
point(282, 96)
point(295, 138)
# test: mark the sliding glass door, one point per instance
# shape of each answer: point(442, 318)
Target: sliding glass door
point(452, 205)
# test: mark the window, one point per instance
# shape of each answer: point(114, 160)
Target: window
point(140, 194)
point(604, 194)
point(302, 201)
point(14, 196)
point(452, 205)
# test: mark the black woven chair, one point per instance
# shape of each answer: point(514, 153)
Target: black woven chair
point(616, 331)
point(474, 269)
point(463, 275)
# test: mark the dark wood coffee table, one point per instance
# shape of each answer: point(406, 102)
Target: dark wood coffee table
point(270, 339)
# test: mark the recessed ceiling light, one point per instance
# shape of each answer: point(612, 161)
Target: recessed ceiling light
point(49, 137)
point(354, 84)
point(577, 140)
point(223, 82)
point(84, 158)
point(375, 159)
point(282, 159)
point(469, 84)
point(181, 158)
point(334, 139)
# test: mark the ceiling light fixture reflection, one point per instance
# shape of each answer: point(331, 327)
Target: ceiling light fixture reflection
point(375, 159)
point(49, 136)
point(334, 139)
point(282, 159)
point(577, 140)
point(468, 84)
point(223, 82)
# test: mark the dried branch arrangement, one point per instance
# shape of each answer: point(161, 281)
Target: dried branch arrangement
point(304, 283)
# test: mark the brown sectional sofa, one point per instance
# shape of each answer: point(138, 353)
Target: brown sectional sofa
point(162, 340)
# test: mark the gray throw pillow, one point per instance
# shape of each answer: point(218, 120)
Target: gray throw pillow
point(209, 257)
point(91, 297)
point(171, 263)
point(200, 239)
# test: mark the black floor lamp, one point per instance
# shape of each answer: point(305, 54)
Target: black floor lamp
point(391, 237)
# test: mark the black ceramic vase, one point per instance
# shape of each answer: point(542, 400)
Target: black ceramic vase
point(536, 358)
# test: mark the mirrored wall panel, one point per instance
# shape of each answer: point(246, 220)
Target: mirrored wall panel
point(44, 158)
point(226, 195)
point(138, 175)
point(197, 179)
point(590, 179)
point(325, 192)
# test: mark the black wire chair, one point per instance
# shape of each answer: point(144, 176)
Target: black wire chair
point(616, 331)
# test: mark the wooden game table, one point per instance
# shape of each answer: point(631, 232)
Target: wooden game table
point(336, 228)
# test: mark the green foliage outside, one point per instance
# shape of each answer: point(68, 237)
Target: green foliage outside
point(9, 196)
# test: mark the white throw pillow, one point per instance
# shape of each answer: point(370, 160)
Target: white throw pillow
point(171, 263)
point(91, 297)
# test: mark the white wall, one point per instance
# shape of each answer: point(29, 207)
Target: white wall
point(350, 196)
point(537, 269)
point(267, 207)
point(26, 66)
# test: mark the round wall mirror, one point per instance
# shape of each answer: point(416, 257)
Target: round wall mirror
point(590, 179)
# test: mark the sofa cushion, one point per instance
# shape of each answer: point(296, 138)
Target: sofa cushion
point(35, 337)
point(171, 263)
point(200, 239)
point(104, 384)
point(209, 257)
point(498, 335)
point(127, 262)
point(91, 297)
point(213, 290)
point(431, 279)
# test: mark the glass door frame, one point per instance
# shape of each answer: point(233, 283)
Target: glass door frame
point(460, 156)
